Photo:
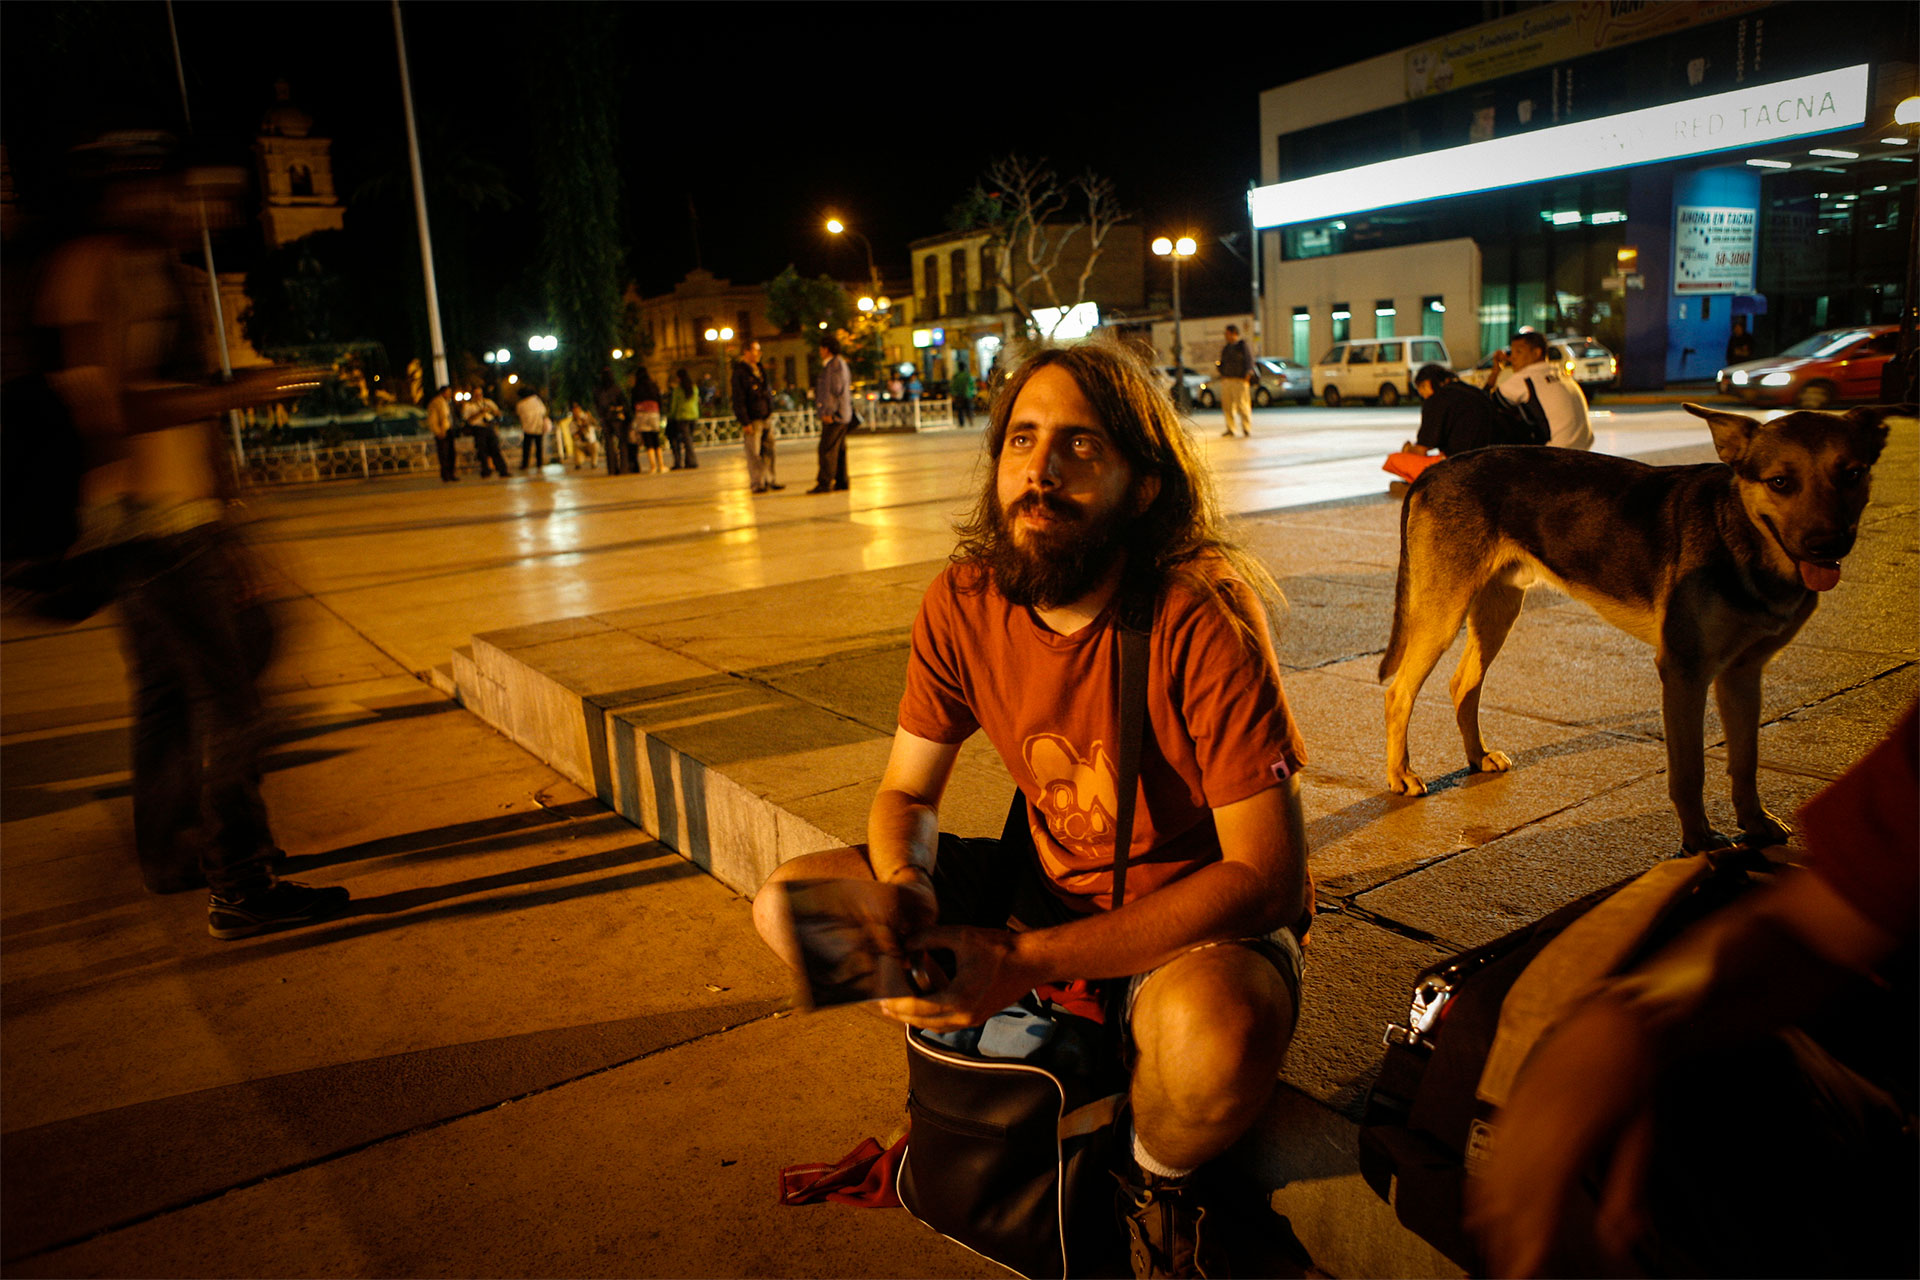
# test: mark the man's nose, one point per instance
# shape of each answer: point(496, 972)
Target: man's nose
point(1043, 466)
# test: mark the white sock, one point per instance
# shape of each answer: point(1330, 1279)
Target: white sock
point(1147, 1162)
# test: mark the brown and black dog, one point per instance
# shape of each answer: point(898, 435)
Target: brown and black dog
point(1716, 566)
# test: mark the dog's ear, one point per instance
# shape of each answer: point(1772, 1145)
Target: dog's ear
point(1732, 432)
point(1873, 417)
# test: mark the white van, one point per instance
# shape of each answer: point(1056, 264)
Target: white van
point(1375, 368)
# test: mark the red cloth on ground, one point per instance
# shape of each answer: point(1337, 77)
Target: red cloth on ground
point(863, 1178)
point(1408, 466)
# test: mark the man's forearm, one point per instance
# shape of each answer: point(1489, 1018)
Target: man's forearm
point(1219, 902)
point(903, 831)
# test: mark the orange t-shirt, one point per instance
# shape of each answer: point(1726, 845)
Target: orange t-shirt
point(1221, 731)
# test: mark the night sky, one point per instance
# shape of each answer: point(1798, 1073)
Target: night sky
point(760, 117)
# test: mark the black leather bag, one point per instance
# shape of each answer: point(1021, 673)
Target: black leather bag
point(1012, 1157)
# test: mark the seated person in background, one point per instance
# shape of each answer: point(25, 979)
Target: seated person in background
point(1547, 382)
point(1454, 417)
point(1655, 1131)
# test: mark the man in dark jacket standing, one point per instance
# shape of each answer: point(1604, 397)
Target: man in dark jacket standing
point(833, 401)
point(753, 406)
point(1235, 381)
point(615, 411)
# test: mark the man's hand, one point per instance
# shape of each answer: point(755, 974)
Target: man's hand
point(990, 973)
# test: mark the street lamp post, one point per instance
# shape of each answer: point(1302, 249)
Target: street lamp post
point(837, 227)
point(722, 336)
point(545, 344)
point(1184, 247)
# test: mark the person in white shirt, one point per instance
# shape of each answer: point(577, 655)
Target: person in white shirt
point(1547, 382)
point(534, 426)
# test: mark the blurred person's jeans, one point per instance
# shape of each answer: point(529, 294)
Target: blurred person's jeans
point(757, 439)
point(197, 643)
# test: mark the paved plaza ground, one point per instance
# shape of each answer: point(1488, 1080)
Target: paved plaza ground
point(545, 1040)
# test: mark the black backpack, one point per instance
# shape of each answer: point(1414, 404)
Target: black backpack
point(1522, 423)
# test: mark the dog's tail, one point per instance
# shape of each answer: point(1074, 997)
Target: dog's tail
point(1397, 641)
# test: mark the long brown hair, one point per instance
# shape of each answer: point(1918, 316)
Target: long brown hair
point(1181, 536)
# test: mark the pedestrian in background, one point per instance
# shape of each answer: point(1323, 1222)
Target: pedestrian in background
point(1739, 342)
point(683, 410)
point(961, 389)
point(833, 402)
point(646, 416)
point(1235, 381)
point(483, 424)
point(534, 426)
point(753, 407)
point(440, 423)
point(615, 411)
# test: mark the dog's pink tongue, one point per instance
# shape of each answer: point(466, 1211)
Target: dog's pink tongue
point(1819, 577)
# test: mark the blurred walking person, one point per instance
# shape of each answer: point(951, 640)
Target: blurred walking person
point(154, 511)
point(833, 401)
point(646, 416)
point(440, 423)
point(483, 424)
point(683, 410)
point(753, 406)
point(611, 406)
point(534, 425)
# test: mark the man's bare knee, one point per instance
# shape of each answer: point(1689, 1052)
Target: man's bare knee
point(1212, 1028)
point(848, 863)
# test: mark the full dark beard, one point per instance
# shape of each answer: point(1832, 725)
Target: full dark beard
point(1054, 566)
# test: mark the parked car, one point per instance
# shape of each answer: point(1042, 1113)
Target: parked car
point(1830, 366)
point(1593, 366)
point(1375, 368)
point(1196, 381)
point(1278, 380)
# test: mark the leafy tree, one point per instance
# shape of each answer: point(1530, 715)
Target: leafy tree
point(798, 305)
point(1035, 217)
point(579, 190)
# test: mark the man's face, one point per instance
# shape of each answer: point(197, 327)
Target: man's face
point(825, 355)
point(1528, 351)
point(752, 353)
point(1061, 491)
point(1424, 389)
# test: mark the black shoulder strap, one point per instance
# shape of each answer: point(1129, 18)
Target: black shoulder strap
point(1136, 635)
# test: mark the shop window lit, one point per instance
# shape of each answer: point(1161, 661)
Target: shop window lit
point(1433, 316)
point(1302, 335)
point(1342, 321)
point(1383, 316)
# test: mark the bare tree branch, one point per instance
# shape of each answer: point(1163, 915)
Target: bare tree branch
point(1032, 234)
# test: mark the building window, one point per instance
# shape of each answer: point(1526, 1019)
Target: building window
point(1302, 336)
point(790, 381)
point(930, 289)
point(1383, 316)
point(743, 326)
point(700, 326)
point(957, 285)
point(300, 180)
point(1433, 316)
point(1342, 321)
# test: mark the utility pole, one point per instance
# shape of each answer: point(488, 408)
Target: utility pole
point(206, 250)
point(438, 342)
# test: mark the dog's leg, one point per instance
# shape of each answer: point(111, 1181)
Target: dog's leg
point(1428, 626)
point(1737, 691)
point(1683, 709)
point(1489, 618)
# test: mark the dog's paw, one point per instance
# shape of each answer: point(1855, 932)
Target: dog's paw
point(1492, 762)
point(1407, 784)
point(1765, 832)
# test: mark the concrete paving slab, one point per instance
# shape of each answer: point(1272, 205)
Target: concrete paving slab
point(663, 1167)
point(1484, 893)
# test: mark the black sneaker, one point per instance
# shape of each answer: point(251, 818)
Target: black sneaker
point(1166, 1227)
point(286, 904)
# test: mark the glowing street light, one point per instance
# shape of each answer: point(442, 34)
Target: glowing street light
point(1184, 247)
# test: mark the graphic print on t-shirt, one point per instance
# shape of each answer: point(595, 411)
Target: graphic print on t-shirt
point(1078, 799)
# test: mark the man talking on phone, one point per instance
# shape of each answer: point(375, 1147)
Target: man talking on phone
point(1096, 496)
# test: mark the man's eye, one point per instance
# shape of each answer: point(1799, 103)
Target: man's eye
point(1085, 444)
